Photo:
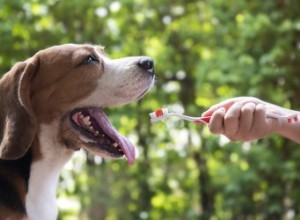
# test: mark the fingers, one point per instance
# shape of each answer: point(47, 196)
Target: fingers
point(260, 122)
point(229, 102)
point(236, 122)
point(243, 119)
point(223, 105)
point(241, 122)
point(216, 124)
point(231, 119)
point(246, 120)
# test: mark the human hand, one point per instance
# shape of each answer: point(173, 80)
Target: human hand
point(244, 118)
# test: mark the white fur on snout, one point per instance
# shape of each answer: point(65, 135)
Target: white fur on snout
point(122, 81)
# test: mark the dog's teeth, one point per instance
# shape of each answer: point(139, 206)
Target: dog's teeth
point(84, 139)
point(86, 120)
point(115, 144)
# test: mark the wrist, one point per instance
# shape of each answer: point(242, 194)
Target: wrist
point(290, 128)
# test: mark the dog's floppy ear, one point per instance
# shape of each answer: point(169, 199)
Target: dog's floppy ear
point(18, 124)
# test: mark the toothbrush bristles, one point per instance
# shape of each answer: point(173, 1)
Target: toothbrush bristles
point(158, 115)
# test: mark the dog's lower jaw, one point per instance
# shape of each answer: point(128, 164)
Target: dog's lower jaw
point(44, 175)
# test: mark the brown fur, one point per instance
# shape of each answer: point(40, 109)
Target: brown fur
point(60, 82)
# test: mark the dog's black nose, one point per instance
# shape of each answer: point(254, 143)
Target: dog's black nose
point(147, 64)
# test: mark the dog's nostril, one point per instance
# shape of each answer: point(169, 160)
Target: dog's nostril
point(147, 64)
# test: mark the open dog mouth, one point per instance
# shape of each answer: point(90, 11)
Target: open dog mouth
point(100, 135)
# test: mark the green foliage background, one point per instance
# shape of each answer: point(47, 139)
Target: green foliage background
point(204, 51)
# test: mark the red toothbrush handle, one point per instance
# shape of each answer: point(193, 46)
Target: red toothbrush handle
point(202, 120)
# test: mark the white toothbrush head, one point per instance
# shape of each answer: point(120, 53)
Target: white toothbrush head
point(159, 114)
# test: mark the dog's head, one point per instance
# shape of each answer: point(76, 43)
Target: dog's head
point(70, 84)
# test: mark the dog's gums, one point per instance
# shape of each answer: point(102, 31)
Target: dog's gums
point(99, 134)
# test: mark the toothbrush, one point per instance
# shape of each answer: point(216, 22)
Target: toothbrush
point(163, 113)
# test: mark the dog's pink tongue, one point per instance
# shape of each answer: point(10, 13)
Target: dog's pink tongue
point(128, 150)
point(126, 146)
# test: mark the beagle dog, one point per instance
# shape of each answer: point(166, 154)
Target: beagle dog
point(51, 105)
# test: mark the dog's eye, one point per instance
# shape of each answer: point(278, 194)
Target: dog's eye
point(90, 59)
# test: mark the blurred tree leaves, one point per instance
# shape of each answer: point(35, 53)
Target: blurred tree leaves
point(204, 51)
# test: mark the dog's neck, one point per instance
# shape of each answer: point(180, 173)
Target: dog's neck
point(44, 174)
